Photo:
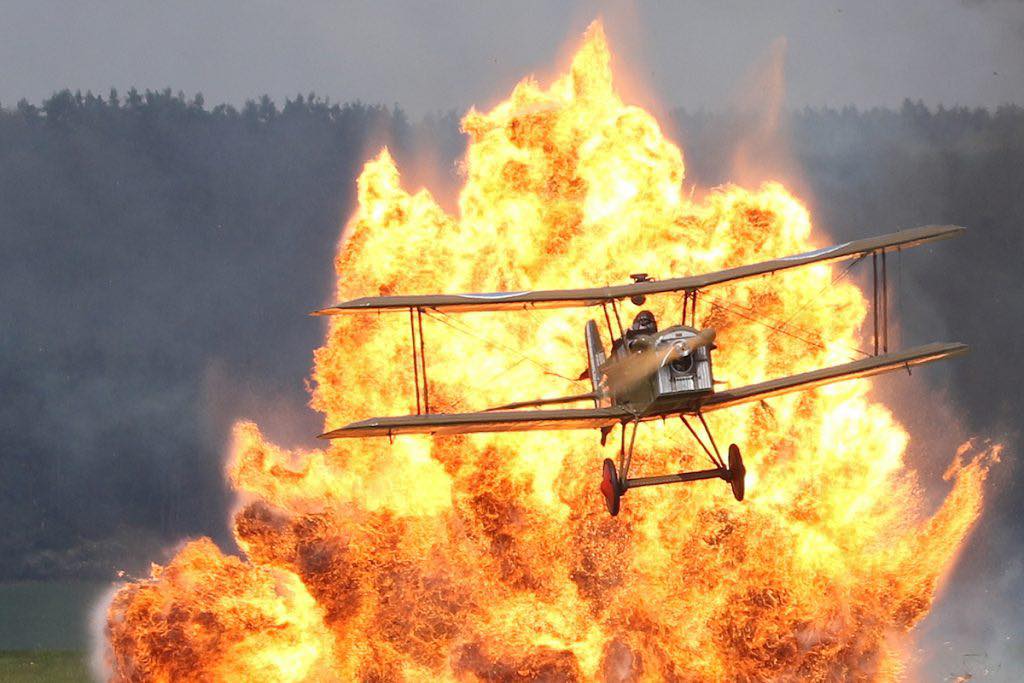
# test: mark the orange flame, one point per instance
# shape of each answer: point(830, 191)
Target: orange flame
point(490, 557)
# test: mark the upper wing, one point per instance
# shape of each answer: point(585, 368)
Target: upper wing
point(562, 298)
point(494, 421)
point(864, 367)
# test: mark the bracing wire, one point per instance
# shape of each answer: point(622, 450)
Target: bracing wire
point(780, 328)
point(735, 308)
point(462, 401)
point(445, 319)
point(824, 289)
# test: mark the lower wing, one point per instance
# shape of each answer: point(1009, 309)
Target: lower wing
point(596, 418)
point(491, 421)
point(865, 367)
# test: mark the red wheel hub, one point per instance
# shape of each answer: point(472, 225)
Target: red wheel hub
point(737, 472)
point(610, 488)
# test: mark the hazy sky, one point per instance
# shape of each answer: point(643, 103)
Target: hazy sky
point(450, 54)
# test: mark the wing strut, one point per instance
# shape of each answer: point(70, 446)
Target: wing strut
point(690, 304)
point(419, 360)
point(880, 302)
point(415, 360)
point(423, 363)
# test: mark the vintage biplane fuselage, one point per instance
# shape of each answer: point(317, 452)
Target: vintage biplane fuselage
point(647, 374)
point(676, 385)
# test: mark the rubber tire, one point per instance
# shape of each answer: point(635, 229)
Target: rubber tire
point(610, 488)
point(737, 472)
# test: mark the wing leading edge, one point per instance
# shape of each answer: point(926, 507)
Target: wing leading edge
point(493, 421)
point(593, 296)
point(595, 418)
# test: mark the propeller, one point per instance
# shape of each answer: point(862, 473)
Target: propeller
point(626, 372)
point(705, 337)
point(638, 366)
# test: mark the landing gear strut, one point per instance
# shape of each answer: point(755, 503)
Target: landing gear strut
point(615, 482)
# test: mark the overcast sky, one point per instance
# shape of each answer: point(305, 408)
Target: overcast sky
point(450, 54)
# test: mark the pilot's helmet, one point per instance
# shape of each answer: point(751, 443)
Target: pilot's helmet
point(644, 323)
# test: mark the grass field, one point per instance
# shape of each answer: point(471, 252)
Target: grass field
point(45, 616)
point(58, 666)
point(44, 630)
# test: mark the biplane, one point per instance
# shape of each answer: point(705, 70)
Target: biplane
point(648, 373)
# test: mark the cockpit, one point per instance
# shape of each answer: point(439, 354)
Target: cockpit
point(640, 335)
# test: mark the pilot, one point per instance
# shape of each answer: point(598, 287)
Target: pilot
point(643, 323)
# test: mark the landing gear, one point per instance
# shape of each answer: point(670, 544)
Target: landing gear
point(615, 481)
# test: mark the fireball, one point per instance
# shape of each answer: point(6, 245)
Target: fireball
point(490, 557)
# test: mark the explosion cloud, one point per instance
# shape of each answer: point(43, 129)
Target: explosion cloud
point(491, 557)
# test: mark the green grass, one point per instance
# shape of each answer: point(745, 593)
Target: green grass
point(43, 665)
point(38, 615)
point(44, 630)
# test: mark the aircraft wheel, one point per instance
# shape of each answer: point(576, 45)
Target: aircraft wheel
point(610, 488)
point(737, 472)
